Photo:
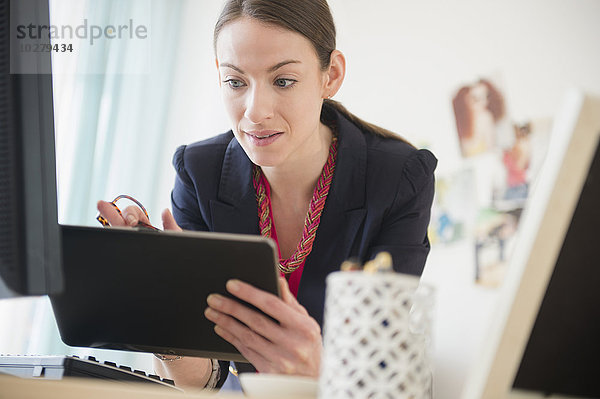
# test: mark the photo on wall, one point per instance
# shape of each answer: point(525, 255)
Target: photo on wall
point(494, 239)
point(480, 115)
point(455, 207)
point(520, 159)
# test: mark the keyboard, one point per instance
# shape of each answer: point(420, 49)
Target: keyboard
point(57, 367)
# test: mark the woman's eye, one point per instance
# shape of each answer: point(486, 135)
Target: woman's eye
point(284, 83)
point(234, 83)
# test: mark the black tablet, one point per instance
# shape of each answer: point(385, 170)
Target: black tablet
point(141, 290)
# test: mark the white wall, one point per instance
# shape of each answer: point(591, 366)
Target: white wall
point(405, 60)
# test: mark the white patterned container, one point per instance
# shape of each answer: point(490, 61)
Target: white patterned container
point(376, 335)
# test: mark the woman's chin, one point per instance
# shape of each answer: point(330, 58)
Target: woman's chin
point(265, 158)
point(266, 162)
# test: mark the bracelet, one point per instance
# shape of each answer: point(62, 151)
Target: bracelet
point(215, 374)
point(168, 359)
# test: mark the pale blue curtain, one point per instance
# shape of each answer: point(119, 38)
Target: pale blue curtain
point(111, 106)
point(118, 119)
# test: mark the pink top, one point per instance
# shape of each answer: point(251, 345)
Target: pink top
point(516, 175)
point(294, 277)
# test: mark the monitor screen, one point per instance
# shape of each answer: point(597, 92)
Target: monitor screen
point(544, 336)
point(30, 247)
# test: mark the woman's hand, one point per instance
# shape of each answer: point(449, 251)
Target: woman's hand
point(132, 215)
point(291, 347)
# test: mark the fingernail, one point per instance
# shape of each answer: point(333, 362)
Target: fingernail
point(209, 313)
point(214, 300)
point(131, 220)
point(233, 285)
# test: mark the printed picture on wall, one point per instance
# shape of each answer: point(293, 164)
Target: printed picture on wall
point(480, 113)
point(494, 240)
point(454, 207)
point(521, 160)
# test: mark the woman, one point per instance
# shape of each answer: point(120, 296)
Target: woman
point(299, 168)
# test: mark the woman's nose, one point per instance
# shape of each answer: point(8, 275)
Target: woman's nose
point(259, 105)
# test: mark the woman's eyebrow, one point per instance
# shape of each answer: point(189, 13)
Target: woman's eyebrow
point(283, 63)
point(271, 69)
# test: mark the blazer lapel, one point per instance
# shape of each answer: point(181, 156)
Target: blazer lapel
point(337, 237)
point(235, 210)
point(345, 207)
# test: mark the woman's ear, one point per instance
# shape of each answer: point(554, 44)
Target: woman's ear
point(334, 76)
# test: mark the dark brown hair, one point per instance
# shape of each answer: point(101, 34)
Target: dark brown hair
point(495, 100)
point(464, 120)
point(313, 20)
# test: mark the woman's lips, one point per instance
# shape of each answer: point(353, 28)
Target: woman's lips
point(263, 137)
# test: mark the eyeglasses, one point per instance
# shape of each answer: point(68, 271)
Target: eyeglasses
point(105, 223)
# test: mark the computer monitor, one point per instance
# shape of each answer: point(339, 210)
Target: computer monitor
point(30, 249)
point(545, 335)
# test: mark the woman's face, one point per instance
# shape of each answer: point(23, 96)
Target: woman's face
point(273, 88)
point(478, 97)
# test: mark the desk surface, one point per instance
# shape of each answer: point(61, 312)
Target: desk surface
point(77, 388)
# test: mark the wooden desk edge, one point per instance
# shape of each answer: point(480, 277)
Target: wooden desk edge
point(76, 388)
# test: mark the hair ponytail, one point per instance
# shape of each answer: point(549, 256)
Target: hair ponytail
point(362, 124)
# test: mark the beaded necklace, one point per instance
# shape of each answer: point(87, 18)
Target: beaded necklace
point(313, 217)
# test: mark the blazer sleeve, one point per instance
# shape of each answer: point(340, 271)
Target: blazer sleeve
point(404, 228)
point(184, 198)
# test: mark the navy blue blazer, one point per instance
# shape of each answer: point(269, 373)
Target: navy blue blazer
point(380, 199)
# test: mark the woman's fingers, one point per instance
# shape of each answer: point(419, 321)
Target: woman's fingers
point(133, 215)
point(265, 301)
point(288, 297)
point(109, 212)
point(169, 222)
point(259, 350)
point(254, 357)
point(292, 346)
point(254, 320)
point(237, 333)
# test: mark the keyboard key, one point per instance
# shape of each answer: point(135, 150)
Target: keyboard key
point(112, 364)
point(127, 368)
